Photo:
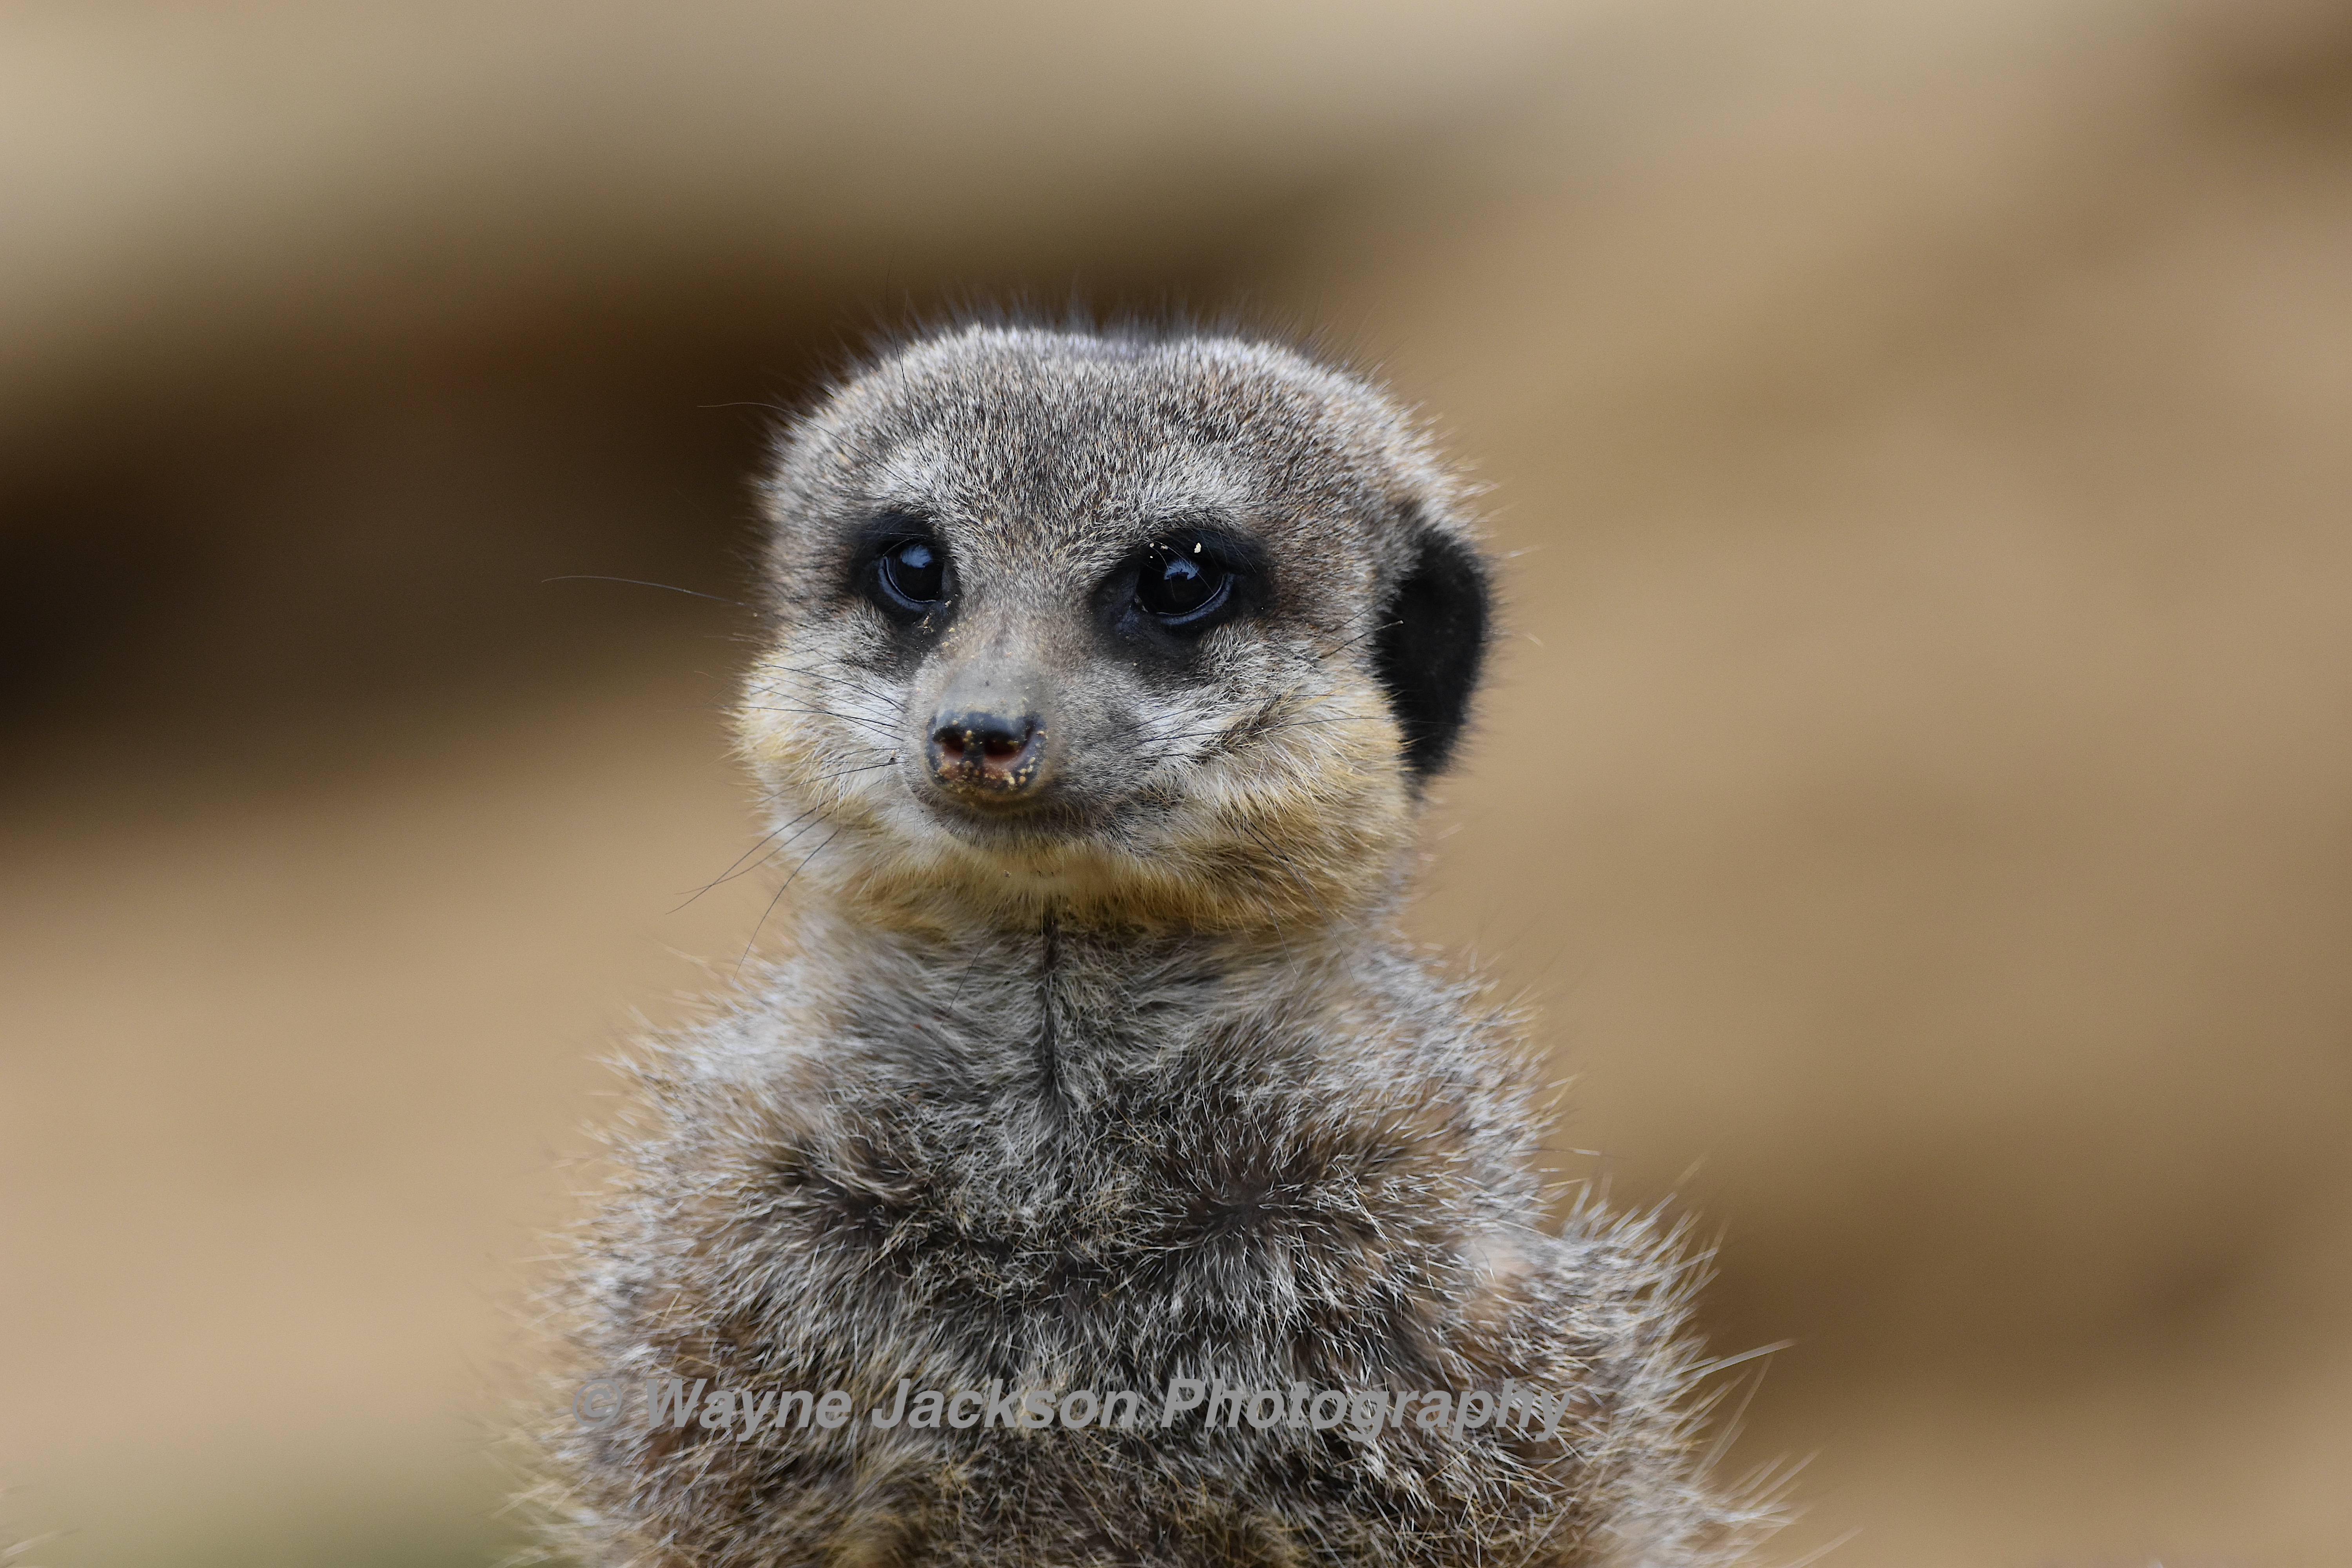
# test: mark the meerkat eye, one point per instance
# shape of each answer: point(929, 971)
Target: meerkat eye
point(1181, 581)
point(914, 572)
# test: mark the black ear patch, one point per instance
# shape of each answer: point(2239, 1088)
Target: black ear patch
point(1432, 641)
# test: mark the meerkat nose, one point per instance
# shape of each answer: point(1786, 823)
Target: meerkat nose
point(990, 752)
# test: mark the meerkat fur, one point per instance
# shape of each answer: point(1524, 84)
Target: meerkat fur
point(1104, 675)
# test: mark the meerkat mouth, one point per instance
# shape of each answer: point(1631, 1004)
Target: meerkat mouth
point(1018, 826)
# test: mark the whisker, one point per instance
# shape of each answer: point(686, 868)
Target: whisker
point(827, 712)
point(1272, 705)
point(1339, 648)
point(1255, 730)
point(760, 849)
point(739, 867)
point(641, 583)
point(779, 898)
point(858, 683)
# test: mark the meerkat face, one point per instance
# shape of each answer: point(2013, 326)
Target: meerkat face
point(1169, 631)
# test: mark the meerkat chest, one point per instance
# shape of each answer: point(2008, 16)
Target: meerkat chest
point(1115, 1156)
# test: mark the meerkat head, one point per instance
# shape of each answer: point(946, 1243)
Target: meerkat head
point(1161, 630)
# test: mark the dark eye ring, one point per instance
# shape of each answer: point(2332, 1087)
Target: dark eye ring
point(1181, 582)
point(914, 573)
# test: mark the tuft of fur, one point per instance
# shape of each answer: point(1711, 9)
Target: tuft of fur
point(1139, 1081)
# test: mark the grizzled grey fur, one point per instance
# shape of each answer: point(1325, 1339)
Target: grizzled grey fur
point(1093, 1057)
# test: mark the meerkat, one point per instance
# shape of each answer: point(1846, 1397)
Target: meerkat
point(1105, 676)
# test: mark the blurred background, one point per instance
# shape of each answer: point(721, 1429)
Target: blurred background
point(1917, 790)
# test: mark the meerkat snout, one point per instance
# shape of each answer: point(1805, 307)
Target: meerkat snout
point(988, 754)
point(984, 735)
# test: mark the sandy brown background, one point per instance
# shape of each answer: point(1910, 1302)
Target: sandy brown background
point(1917, 789)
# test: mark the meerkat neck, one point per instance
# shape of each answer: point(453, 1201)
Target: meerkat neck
point(1054, 938)
point(1060, 1007)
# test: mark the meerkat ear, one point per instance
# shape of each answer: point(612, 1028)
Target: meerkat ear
point(1430, 644)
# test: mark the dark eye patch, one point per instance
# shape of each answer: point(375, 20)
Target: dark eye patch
point(1183, 583)
point(903, 568)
